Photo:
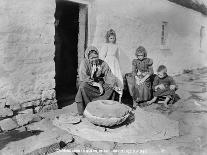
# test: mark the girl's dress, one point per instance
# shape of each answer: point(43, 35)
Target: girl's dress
point(110, 54)
point(140, 68)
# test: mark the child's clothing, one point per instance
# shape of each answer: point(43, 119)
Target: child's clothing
point(110, 54)
point(140, 68)
point(167, 92)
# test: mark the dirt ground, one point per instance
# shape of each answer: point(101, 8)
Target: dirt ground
point(191, 112)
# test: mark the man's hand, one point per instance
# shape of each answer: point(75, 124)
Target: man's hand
point(172, 87)
point(99, 86)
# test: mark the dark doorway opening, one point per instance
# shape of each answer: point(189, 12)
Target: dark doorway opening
point(66, 51)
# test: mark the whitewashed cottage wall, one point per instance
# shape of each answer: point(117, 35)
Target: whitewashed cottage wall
point(27, 51)
point(139, 23)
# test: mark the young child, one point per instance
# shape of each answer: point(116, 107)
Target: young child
point(110, 54)
point(163, 86)
point(141, 71)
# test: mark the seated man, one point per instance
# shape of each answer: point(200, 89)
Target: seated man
point(96, 80)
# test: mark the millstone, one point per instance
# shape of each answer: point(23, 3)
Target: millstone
point(106, 112)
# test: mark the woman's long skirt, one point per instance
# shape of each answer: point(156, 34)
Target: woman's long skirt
point(87, 93)
point(139, 93)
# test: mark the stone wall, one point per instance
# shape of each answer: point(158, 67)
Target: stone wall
point(27, 50)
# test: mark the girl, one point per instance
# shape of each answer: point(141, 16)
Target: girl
point(141, 72)
point(110, 54)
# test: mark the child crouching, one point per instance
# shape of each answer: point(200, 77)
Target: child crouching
point(163, 87)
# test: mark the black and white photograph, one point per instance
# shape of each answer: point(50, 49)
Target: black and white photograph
point(103, 77)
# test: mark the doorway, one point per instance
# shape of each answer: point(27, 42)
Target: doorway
point(67, 44)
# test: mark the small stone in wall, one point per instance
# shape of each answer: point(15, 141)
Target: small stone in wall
point(23, 119)
point(31, 103)
point(28, 111)
point(4, 112)
point(48, 108)
point(8, 124)
point(36, 103)
point(49, 102)
point(37, 109)
point(27, 104)
point(15, 107)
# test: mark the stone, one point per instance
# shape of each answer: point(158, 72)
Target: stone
point(23, 119)
point(48, 95)
point(15, 107)
point(37, 109)
point(31, 103)
point(49, 102)
point(36, 103)
point(8, 124)
point(48, 108)
point(6, 112)
point(106, 112)
point(36, 118)
point(46, 150)
point(27, 104)
point(28, 111)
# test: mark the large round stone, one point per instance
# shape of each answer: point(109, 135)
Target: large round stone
point(106, 112)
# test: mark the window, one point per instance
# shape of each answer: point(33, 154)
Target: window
point(202, 36)
point(164, 35)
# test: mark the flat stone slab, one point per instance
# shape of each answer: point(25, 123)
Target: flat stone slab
point(8, 124)
point(44, 135)
point(28, 111)
point(4, 112)
point(23, 119)
point(147, 126)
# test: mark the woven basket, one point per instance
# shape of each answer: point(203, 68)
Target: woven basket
point(106, 112)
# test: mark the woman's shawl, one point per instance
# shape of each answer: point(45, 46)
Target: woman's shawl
point(102, 75)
